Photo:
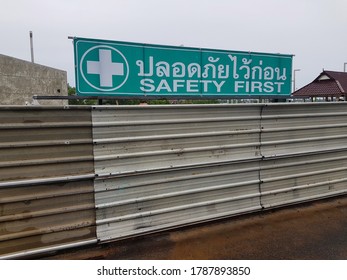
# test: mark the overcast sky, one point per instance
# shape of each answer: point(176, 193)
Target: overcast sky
point(315, 31)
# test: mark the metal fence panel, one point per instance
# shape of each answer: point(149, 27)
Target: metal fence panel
point(303, 178)
point(305, 152)
point(72, 176)
point(289, 129)
point(167, 166)
point(46, 179)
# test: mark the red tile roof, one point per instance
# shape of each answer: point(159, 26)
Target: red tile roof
point(340, 77)
point(328, 83)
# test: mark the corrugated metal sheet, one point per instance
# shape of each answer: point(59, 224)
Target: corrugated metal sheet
point(165, 166)
point(168, 166)
point(46, 178)
point(305, 152)
point(72, 176)
point(289, 129)
point(303, 178)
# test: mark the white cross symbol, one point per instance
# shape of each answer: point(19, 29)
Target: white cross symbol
point(105, 68)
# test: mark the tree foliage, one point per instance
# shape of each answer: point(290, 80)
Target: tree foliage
point(83, 101)
point(72, 92)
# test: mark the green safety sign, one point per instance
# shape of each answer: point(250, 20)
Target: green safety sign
point(111, 68)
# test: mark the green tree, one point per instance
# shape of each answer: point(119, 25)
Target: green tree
point(72, 92)
point(82, 101)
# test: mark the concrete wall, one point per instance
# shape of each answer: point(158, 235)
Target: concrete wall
point(20, 80)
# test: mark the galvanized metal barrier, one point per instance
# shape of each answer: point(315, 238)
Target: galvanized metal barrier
point(304, 149)
point(158, 167)
point(46, 179)
point(166, 166)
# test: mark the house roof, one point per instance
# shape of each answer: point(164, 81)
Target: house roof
point(328, 83)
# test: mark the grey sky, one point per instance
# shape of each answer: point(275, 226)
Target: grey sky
point(313, 30)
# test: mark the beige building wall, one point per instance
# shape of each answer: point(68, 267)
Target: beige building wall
point(20, 80)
